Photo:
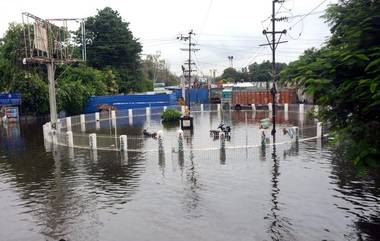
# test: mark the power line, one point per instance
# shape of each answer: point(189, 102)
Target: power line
point(206, 17)
point(309, 13)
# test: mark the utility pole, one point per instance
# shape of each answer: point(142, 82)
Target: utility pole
point(273, 45)
point(189, 63)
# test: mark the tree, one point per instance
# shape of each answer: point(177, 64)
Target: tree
point(262, 72)
point(111, 45)
point(16, 77)
point(344, 77)
point(231, 75)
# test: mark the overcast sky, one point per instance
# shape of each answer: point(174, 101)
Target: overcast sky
point(223, 27)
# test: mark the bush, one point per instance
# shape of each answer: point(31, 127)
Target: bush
point(170, 115)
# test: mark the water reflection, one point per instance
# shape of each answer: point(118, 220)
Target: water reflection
point(360, 195)
point(67, 193)
point(65, 189)
point(280, 227)
point(161, 156)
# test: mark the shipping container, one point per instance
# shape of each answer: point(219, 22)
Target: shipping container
point(246, 97)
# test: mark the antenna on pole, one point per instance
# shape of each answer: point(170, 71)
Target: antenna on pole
point(273, 45)
point(50, 42)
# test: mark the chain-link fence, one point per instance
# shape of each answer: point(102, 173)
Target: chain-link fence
point(122, 130)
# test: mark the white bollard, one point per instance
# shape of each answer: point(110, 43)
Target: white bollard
point(160, 134)
point(180, 133)
point(218, 107)
point(253, 107)
point(270, 106)
point(202, 108)
point(147, 111)
point(113, 117)
point(123, 143)
point(302, 108)
point(97, 118)
point(286, 107)
point(82, 119)
point(92, 141)
point(319, 129)
point(68, 123)
point(83, 127)
point(130, 113)
point(70, 139)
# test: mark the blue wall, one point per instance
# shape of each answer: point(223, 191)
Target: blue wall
point(196, 95)
point(121, 102)
point(10, 99)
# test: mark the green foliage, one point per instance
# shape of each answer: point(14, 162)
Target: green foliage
point(111, 41)
point(344, 77)
point(170, 115)
point(231, 75)
point(261, 72)
point(255, 73)
point(35, 96)
point(114, 67)
point(76, 84)
point(112, 45)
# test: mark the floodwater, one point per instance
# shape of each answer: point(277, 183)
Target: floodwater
point(293, 191)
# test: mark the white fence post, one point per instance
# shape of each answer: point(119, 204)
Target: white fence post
point(92, 141)
point(82, 123)
point(319, 129)
point(302, 108)
point(286, 107)
point(70, 139)
point(113, 114)
point(202, 108)
point(130, 116)
point(97, 118)
point(253, 107)
point(218, 107)
point(68, 123)
point(113, 117)
point(123, 143)
point(147, 111)
point(270, 106)
point(82, 119)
